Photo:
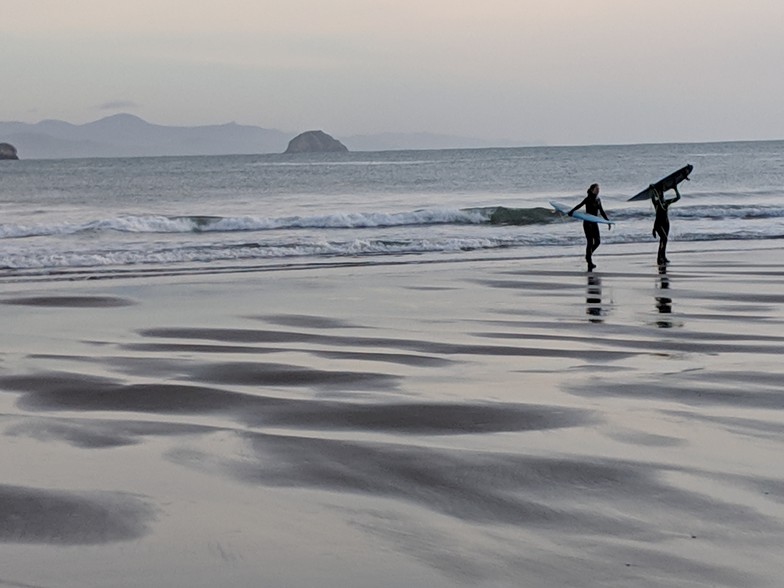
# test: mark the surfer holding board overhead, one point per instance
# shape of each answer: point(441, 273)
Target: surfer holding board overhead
point(593, 206)
point(661, 226)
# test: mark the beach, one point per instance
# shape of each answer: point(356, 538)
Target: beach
point(485, 421)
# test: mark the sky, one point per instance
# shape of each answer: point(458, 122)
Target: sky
point(558, 72)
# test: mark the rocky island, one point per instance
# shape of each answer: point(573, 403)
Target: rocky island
point(8, 151)
point(315, 142)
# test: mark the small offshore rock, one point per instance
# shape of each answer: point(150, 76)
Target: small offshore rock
point(315, 142)
point(8, 151)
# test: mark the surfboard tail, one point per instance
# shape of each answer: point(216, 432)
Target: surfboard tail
point(644, 195)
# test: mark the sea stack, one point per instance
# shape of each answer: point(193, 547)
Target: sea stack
point(8, 151)
point(315, 142)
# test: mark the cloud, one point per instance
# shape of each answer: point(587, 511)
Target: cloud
point(118, 104)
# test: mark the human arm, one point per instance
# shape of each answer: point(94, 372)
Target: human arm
point(571, 212)
point(677, 196)
point(601, 211)
point(656, 197)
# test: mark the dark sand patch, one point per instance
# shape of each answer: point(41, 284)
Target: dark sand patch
point(431, 288)
point(739, 378)
point(35, 516)
point(645, 439)
point(69, 301)
point(715, 343)
point(66, 391)
point(98, 434)
point(397, 358)
point(198, 348)
point(484, 488)
point(307, 321)
point(277, 374)
point(424, 418)
point(666, 390)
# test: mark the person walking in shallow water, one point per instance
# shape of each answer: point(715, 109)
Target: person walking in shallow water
point(661, 226)
point(593, 205)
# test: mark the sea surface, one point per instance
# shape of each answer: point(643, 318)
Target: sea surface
point(109, 217)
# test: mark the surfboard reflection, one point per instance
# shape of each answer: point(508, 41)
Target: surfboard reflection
point(664, 303)
point(593, 299)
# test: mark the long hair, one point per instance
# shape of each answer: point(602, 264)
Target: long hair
point(591, 189)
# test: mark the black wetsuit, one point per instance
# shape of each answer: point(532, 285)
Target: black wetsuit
point(661, 226)
point(593, 205)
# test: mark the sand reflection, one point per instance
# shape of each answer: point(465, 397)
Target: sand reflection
point(593, 299)
point(663, 301)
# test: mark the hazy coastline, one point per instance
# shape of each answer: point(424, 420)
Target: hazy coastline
point(127, 135)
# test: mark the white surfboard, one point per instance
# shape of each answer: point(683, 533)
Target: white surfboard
point(563, 209)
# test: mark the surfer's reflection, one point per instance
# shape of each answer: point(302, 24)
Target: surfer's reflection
point(664, 303)
point(593, 299)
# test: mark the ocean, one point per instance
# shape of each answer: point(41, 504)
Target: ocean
point(107, 217)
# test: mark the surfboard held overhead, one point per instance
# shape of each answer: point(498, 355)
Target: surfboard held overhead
point(577, 215)
point(664, 184)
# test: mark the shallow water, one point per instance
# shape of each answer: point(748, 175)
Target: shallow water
point(104, 217)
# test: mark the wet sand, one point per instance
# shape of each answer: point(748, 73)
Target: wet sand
point(497, 423)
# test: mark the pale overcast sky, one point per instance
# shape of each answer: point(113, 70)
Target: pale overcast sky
point(558, 71)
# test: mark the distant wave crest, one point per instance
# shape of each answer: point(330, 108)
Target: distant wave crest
point(339, 220)
point(496, 215)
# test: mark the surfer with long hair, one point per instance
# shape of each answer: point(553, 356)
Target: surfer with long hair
point(661, 226)
point(593, 205)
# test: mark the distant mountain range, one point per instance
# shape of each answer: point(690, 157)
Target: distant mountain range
point(126, 135)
